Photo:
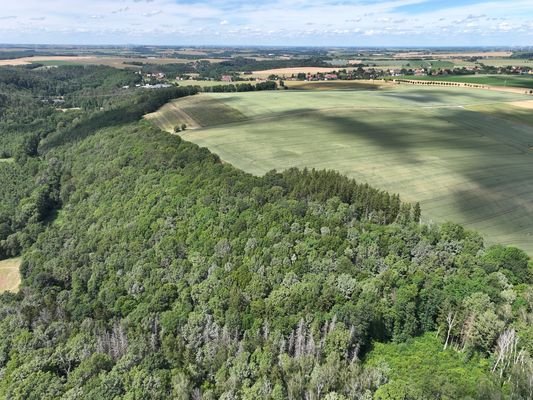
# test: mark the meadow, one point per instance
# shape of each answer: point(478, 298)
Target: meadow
point(9, 275)
point(465, 154)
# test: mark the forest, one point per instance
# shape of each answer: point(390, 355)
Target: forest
point(152, 270)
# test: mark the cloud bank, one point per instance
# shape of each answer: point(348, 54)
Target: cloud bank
point(291, 22)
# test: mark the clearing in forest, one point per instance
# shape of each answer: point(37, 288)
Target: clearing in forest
point(9, 275)
point(464, 154)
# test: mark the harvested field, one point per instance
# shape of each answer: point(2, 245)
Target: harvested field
point(288, 72)
point(116, 62)
point(10, 275)
point(415, 54)
point(464, 154)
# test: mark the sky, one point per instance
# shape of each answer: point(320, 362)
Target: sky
point(355, 23)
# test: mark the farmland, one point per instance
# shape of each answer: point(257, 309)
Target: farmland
point(493, 80)
point(9, 275)
point(111, 61)
point(195, 112)
point(288, 72)
point(335, 85)
point(464, 154)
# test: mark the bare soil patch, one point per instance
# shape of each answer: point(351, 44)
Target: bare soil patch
point(10, 275)
point(528, 104)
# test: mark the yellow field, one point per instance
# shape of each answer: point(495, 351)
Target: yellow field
point(524, 104)
point(116, 62)
point(10, 275)
point(414, 54)
point(288, 72)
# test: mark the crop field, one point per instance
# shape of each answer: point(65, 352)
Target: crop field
point(9, 275)
point(481, 54)
point(522, 81)
point(414, 63)
point(466, 155)
point(201, 83)
point(194, 111)
point(504, 62)
point(335, 85)
point(288, 72)
point(116, 62)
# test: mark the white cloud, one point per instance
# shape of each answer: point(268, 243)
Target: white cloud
point(273, 22)
point(152, 13)
point(120, 10)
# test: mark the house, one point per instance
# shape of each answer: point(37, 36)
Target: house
point(330, 76)
point(395, 72)
point(226, 78)
point(157, 86)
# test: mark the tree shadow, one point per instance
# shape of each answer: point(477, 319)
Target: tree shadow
point(490, 156)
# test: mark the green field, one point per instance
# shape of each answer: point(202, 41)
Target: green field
point(195, 112)
point(201, 83)
point(402, 63)
point(334, 85)
point(57, 63)
point(464, 154)
point(522, 81)
point(504, 62)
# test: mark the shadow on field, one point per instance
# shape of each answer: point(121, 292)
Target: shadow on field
point(415, 97)
point(492, 153)
point(428, 95)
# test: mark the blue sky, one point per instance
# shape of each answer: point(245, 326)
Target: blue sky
point(269, 22)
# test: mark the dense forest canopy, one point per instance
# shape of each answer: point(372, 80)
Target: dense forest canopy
point(152, 270)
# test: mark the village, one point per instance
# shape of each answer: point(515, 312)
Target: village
point(157, 80)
